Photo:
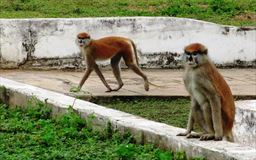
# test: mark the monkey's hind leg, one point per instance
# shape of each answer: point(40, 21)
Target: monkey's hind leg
point(138, 71)
point(116, 71)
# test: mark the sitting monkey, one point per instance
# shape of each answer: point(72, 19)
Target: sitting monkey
point(212, 103)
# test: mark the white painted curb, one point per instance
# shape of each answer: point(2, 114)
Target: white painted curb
point(143, 130)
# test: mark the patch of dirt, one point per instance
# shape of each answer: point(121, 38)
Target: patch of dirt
point(246, 16)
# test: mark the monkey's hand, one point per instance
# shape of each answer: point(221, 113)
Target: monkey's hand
point(190, 135)
point(75, 89)
point(183, 134)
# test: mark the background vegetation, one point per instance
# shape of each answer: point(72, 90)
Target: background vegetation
point(32, 134)
point(230, 12)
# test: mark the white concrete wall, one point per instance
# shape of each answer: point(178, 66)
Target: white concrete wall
point(245, 123)
point(156, 38)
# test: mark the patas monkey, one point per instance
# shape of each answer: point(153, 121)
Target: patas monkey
point(212, 103)
point(113, 48)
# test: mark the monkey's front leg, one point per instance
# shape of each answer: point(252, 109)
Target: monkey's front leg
point(102, 78)
point(191, 120)
point(86, 75)
point(189, 125)
point(188, 133)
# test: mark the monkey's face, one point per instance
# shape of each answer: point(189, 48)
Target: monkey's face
point(83, 39)
point(195, 55)
point(194, 59)
point(83, 42)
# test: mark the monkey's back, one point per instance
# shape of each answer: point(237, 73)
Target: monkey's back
point(115, 41)
point(107, 47)
point(227, 100)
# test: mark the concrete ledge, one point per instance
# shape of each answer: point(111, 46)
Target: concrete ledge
point(143, 130)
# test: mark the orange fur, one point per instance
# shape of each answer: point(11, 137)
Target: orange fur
point(227, 100)
point(196, 47)
point(83, 35)
point(107, 47)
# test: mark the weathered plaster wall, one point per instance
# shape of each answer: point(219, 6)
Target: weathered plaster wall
point(245, 123)
point(38, 43)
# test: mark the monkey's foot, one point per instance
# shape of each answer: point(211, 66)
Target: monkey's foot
point(217, 138)
point(208, 136)
point(146, 86)
point(119, 87)
point(109, 90)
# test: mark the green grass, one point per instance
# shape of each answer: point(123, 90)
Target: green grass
point(31, 133)
point(231, 12)
point(170, 111)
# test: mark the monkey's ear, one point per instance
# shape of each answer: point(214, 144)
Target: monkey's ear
point(205, 51)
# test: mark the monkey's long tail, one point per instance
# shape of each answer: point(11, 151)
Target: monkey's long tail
point(136, 56)
point(155, 85)
point(135, 52)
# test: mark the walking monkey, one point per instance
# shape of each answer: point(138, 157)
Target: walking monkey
point(212, 103)
point(113, 48)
